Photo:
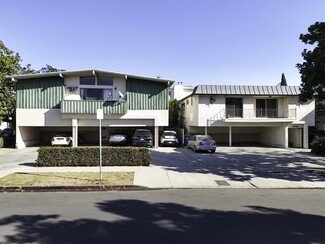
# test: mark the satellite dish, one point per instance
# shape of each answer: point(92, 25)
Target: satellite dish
point(122, 97)
point(120, 94)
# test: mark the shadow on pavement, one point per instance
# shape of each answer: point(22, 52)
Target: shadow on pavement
point(143, 222)
point(244, 164)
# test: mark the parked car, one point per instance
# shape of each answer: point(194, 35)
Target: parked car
point(202, 143)
point(142, 137)
point(117, 138)
point(61, 139)
point(7, 132)
point(169, 137)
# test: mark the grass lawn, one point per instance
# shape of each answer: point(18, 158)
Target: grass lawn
point(64, 179)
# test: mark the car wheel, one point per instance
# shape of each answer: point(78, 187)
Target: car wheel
point(213, 151)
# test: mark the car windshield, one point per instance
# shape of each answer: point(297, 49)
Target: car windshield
point(169, 133)
point(62, 135)
point(142, 133)
point(118, 133)
point(204, 138)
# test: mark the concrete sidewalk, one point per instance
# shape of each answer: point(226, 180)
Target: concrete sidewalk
point(192, 170)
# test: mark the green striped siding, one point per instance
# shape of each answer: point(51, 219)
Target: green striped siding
point(91, 106)
point(115, 107)
point(146, 95)
point(40, 93)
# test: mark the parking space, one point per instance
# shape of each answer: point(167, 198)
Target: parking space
point(243, 163)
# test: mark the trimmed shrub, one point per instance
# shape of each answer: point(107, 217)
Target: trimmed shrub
point(318, 146)
point(89, 156)
point(8, 141)
point(2, 143)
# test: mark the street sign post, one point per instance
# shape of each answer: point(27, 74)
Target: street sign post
point(100, 116)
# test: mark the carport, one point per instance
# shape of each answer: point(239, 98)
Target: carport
point(279, 134)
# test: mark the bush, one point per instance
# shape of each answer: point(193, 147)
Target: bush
point(89, 156)
point(8, 141)
point(318, 146)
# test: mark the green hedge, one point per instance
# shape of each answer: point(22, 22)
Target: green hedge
point(8, 141)
point(89, 156)
point(318, 146)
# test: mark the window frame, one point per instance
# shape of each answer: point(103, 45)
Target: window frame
point(96, 86)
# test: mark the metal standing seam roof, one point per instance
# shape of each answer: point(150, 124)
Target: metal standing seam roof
point(246, 90)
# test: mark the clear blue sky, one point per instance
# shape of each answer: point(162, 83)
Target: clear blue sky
point(239, 42)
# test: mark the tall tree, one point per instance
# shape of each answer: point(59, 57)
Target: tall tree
point(312, 70)
point(283, 80)
point(9, 65)
point(173, 113)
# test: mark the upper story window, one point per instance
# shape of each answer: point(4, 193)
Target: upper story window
point(266, 108)
point(87, 80)
point(96, 88)
point(234, 107)
point(96, 94)
point(104, 81)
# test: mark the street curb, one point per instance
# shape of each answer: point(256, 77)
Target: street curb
point(71, 188)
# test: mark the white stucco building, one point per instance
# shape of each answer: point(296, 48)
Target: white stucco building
point(268, 115)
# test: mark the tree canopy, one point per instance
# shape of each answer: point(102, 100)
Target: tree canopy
point(10, 64)
point(312, 70)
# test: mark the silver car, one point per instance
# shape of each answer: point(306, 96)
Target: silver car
point(202, 143)
point(117, 138)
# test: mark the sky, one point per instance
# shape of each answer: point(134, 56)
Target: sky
point(213, 42)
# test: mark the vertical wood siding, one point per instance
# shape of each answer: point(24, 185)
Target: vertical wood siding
point(40, 93)
point(146, 95)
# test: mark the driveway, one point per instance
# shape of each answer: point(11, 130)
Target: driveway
point(229, 167)
point(259, 166)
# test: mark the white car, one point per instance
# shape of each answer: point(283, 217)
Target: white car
point(169, 137)
point(202, 143)
point(62, 139)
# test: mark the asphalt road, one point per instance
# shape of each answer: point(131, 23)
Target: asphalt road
point(164, 216)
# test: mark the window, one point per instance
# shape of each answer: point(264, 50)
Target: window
point(96, 94)
point(234, 107)
point(266, 108)
point(87, 80)
point(104, 81)
point(99, 89)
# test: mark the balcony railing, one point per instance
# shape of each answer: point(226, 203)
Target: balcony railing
point(91, 106)
point(254, 114)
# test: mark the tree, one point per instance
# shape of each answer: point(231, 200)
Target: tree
point(312, 70)
point(173, 113)
point(9, 65)
point(48, 68)
point(283, 80)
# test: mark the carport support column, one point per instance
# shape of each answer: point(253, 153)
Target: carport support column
point(75, 132)
point(230, 137)
point(305, 136)
point(156, 136)
point(286, 136)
